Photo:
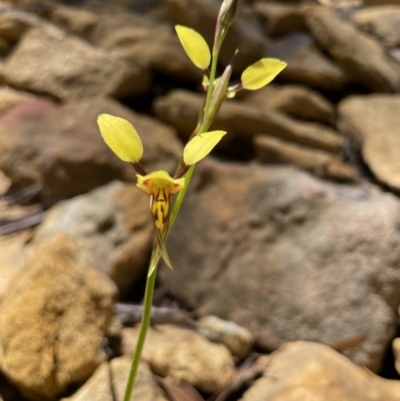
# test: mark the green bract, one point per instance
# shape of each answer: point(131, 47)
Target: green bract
point(195, 46)
point(121, 137)
point(261, 73)
point(200, 146)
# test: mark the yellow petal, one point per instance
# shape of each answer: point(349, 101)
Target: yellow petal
point(261, 73)
point(200, 146)
point(150, 183)
point(121, 137)
point(195, 46)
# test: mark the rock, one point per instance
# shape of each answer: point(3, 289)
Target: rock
point(396, 351)
point(71, 68)
point(2, 80)
point(182, 354)
point(100, 388)
point(14, 23)
point(180, 108)
point(295, 100)
point(145, 387)
point(382, 22)
point(288, 256)
point(245, 34)
point(237, 339)
point(322, 164)
point(155, 45)
point(52, 320)
point(281, 19)
point(74, 20)
point(10, 97)
point(97, 388)
point(309, 371)
point(373, 121)
point(5, 46)
point(112, 225)
point(65, 150)
point(306, 64)
point(11, 262)
point(359, 54)
point(5, 183)
point(380, 2)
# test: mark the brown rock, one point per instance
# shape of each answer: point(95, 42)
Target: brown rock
point(380, 2)
point(373, 121)
point(5, 46)
point(245, 34)
point(182, 354)
point(5, 183)
point(359, 54)
point(237, 339)
point(396, 351)
point(155, 45)
point(100, 388)
point(113, 226)
point(309, 371)
point(11, 247)
point(289, 256)
point(295, 100)
point(307, 65)
point(74, 20)
point(65, 150)
point(14, 23)
point(322, 164)
point(56, 311)
point(383, 22)
point(179, 108)
point(281, 18)
point(71, 68)
point(10, 97)
point(145, 387)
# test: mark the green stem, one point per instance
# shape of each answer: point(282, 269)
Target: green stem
point(211, 85)
point(148, 300)
point(155, 257)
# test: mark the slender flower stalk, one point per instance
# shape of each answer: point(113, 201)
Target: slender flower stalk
point(124, 140)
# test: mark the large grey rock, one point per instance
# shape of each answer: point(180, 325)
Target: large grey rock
point(53, 319)
point(289, 256)
point(65, 150)
point(180, 108)
point(373, 122)
point(359, 54)
point(113, 227)
point(49, 61)
point(309, 371)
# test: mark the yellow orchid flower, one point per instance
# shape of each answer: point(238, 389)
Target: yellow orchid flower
point(161, 186)
point(195, 46)
point(124, 141)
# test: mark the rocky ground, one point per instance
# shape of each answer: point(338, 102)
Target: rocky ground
point(286, 253)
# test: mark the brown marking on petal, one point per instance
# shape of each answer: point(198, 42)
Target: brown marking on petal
point(160, 207)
